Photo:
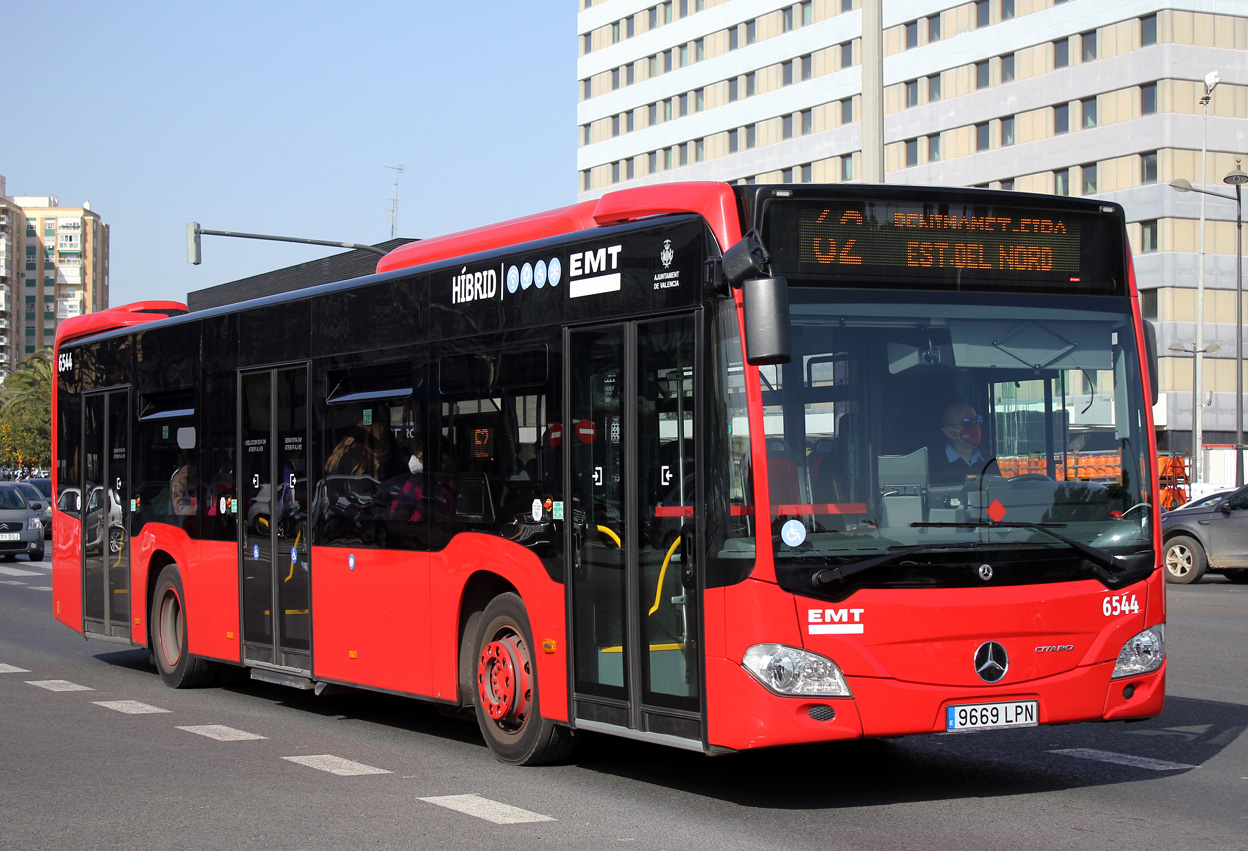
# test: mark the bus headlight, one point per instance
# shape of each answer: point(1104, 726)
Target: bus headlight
point(1143, 654)
point(790, 671)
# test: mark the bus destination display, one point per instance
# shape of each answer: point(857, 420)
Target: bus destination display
point(939, 244)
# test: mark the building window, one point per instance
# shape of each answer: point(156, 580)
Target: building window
point(912, 35)
point(847, 5)
point(1089, 179)
point(1148, 99)
point(699, 100)
point(981, 75)
point(933, 88)
point(653, 162)
point(1089, 46)
point(1148, 303)
point(847, 54)
point(699, 50)
point(684, 55)
point(982, 136)
point(808, 67)
point(1148, 30)
point(1089, 112)
point(615, 172)
point(981, 14)
point(1007, 131)
point(750, 88)
point(615, 126)
point(787, 126)
point(1062, 182)
point(751, 32)
point(1007, 9)
point(1061, 119)
point(1008, 184)
point(808, 122)
point(808, 13)
point(786, 73)
point(933, 28)
point(847, 111)
point(1007, 68)
point(933, 148)
point(912, 93)
point(732, 90)
point(807, 173)
point(847, 167)
point(1061, 53)
point(699, 150)
point(733, 38)
point(586, 90)
point(912, 152)
point(1148, 236)
point(787, 19)
point(615, 78)
point(1148, 167)
point(652, 116)
point(615, 33)
point(683, 103)
point(733, 137)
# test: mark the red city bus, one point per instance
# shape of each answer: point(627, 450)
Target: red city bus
point(718, 467)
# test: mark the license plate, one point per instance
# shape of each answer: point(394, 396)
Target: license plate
point(992, 716)
point(10, 536)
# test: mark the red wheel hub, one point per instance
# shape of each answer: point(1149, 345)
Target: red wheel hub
point(503, 681)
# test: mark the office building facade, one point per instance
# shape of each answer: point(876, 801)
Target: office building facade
point(1098, 98)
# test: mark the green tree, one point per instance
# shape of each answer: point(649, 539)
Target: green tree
point(26, 413)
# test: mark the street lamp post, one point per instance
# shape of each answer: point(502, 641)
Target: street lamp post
point(1179, 348)
point(1236, 178)
point(1211, 82)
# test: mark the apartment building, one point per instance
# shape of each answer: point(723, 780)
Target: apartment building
point(1098, 98)
point(54, 264)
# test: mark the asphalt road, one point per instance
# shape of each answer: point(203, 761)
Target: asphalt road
point(96, 753)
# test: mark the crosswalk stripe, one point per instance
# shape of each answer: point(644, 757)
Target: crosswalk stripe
point(17, 571)
point(58, 685)
point(12, 669)
point(336, 765)
point(222, 733)
point(130, 707)
point(484, 808)
point(1123, 759)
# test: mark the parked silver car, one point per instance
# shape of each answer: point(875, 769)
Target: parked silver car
point(39, 503)
point(21, 531)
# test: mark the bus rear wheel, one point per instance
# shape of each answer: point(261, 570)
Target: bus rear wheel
point(177, 667)
point(506, 694)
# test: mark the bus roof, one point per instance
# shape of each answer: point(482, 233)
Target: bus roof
point(715, 202)
point(136, 313)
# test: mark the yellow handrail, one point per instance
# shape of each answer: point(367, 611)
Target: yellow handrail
point(658, 589)
point(604, 530)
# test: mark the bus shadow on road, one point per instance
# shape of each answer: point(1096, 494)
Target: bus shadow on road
point(935, 767)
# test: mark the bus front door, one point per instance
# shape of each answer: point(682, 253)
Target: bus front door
point(104, 495)
point(273, 552)
point(632, 435)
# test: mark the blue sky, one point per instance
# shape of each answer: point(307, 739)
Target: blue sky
point(279, 118)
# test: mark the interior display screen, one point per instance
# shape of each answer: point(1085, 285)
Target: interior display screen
point(950, 243)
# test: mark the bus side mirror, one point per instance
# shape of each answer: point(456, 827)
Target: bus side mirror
point(1150, 351)
point(765, 298)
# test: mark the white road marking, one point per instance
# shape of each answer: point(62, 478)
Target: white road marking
point(130, 707)
point(336, 765)
point(41, 588)
point(11, 582)
point(17, 571)
point(1123, 759)
point(484, 808)
point(222, 733)
point(58, 685)
point(12, 669)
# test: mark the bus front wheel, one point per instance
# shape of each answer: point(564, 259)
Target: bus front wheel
point(177, 667)
point(506, 694)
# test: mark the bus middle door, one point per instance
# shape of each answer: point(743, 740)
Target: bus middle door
point(634, 599)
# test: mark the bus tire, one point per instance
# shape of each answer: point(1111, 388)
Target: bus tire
point(177, 667)
point(1185, 560)
point(506, 693)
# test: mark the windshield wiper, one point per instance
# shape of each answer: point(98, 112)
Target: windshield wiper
point(1098, 557)
point(841, 572)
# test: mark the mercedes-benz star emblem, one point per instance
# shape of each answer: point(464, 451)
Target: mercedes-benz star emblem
point(985, 572)
point(991, 662)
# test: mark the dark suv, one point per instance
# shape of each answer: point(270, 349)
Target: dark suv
point(1209, 536)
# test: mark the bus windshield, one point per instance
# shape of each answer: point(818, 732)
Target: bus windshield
point(958, 432)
